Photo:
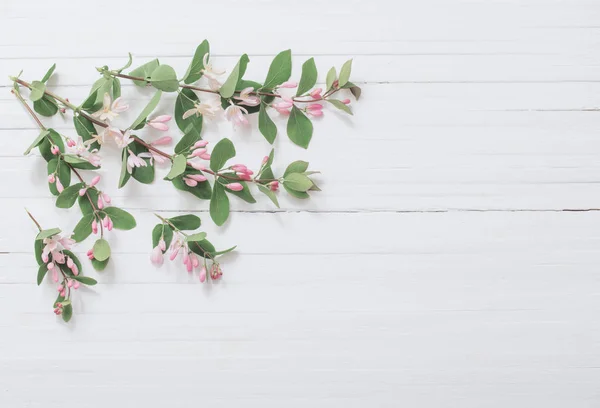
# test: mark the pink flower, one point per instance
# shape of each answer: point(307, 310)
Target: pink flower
point(284, 106)
point(274, 185)
point(94, 158)
point(288, 84)
point(82, 192)
point(157, 256)
point(235, 114)
point(194, 259)
point(94, 181)
point(346, 101)
point(76, 284)
point(162, 244)
point(100, 203)
point(71, 142)
point(215, 271)
point(211, 74)
point(198, 152)
point(159, 122)
point(207, 110)
point(203, 274)
point(59, 186)
point(198, 177)
point(190, 182)
point(95, 226)
point(106, 197)
point(246, 98)
point(316, 93)
point(165, 140)
point(265, 160)
point(55, 150)
point(234, 186)
point(121, 139)
point(314, 107)
point(315, 113)
point(135, 161)
point(110, 110)
point(200, 143)
point(244, 176)
point(90, 254)
point(51, 178)
point(197, 166)
point(239, 167)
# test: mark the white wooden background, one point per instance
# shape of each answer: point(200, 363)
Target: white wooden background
point(451, 260)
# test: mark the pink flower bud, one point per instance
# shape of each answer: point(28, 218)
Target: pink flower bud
point(346, 101)
point(50, 266)
point(165, 140)
point(45, 258)
point(100, 203)
point(70, 263)
point(82, 192)
point(51, 178)
point(239, 167)
point(158, 126)
point(198, 177)
point(94, 226)
point(59, 186)
point(105, 222)
point(198, 152)
point(314, 107)
point(215, 271)
point(235, 186)
point(174, 253)
point(76, 285)
point(106, 198)
point(195, 261)
point(203, 274)
point(162, 119)
point(55, 150)
point(205, 156)
point(110, 224)
point(55, 275)
point(190, 182)
point(70, 283)
point(282, 105)
point(274, 185)
point(265, 160)
point(162, 244)
point(315, 113)
point(71, 142)
point(94, 181)
point(200, 143)
point(60, 288)
point(75, 270)
point(288, 84)
point(336, 83)
point(244, 176)
point(197, 166)
point(188, 266)
point(157, 256)
point(63, 293)
point(316, 93)
point(90, 254)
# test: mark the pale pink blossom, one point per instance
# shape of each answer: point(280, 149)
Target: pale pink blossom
point(81, 149)
point(51, 178)
point(122, 140)
point(59, 186)
point(94, 158)
point(94, 181)
point(198, 152)
point(157, 256)
point(200, 143)
point(165, 140)
point(346, 101)
point(246, 98)
point(203, 274)
point(315, 113)
point(194, 259)
point(314, 107)
point(100, 202)
point(135, 161)
point(211, 74)
point(90, 254)
point(207, 110)
point(159, 122)
point(235, 114)
point(234, 186)
point(239, 167)
point(162, 244)
point(76, 283)
point(95, 226)
point(274, 185)
point(288, 84)
point(316, 93)
point(110, 110)
point(284, 106)
point(106, 197)
point(55, 150)
point(197, 166)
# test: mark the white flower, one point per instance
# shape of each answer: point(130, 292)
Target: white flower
point(211, 74)
point(246, 98)
point(81, 149)
point(55, 245)
point(235, 114)
point(110, 110)
point(122, 140)
point(135, 161)
point(207, 110)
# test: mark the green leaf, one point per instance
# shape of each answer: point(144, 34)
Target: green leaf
point(101, 249)
point(187, 222)
point(178, 167)
point(37, 141)
point(270, 158)
point(266, 125)
point(298, 194)
point(340, 105)
point(121, 219)
point(95, 100)
point(148, 109)
point(196, 237)
point(83, 229)
point(116, 88)
point(298, 182)
point(144, 71)
point(45, 146)
point(280, 70)
point(217, 253)
point(85, 128)
point(244, 194)
point(42, 271)
point(47, 233)
point(163, 230)
point(67, 198)
point(85, 279)
point(223, 151)
point(99, 265)
point(191, 126)
point(124, 176)
point(345, 73)
point(46, 106)
point(354, 89)
point(38, 247)
point(197, 65)
point(164, 78)
point(299, 128)
point(37, 90)
point(202, 190)
point(203, 248)
point(298, 166)
point(127, 65)
point(228, 88)
point(308, 78)
point(219, 205)
point(49, 73)
point(79, 163)
point(84, 201)
point(67, 313)
point(331, 77)
point(62, 170)
point(267, 191)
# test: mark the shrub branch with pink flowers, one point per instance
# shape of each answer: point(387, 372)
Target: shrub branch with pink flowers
point(195, 167)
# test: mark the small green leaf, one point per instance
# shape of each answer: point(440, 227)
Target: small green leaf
point(340, 105)
point(46, 106)
point(116, 88)
point(37, 90)
point(101, 249)
point(165, 231)
point(228, 88)
point(197, 65)
point(188, 222)
point(79, 163)
point(217, 253)
point(190, 126)
point(345, 73)
point(67, 198)
point(203, 248)
point(83, 229)
point(280, 70)
point(331, 77)
point(223, 151)
point(143, 174)
point(37, 141)
point(38, 247)
point(219, 205)
point(354, 89)
point(85, 279)
point(67, 313)
point(99, 265)
point(298, 166)
point(164, 78)
point(148, 109)
point(299, 128)
point(49, 73)
point(203, 190)
point(47, 233)
point(267, 191)
point(63, 171)
point(84, 201)
point(298, 182)
point(196, 237)
point(124, 176)
point(187, 141)
point(121, 219)
point(85, 128)
point(298, 194)
point(308, 78)
point(144, 71)
point(266, 125)
point(42, 271)
point(178, 167)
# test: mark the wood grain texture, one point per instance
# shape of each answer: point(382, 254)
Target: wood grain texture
point(451, 260)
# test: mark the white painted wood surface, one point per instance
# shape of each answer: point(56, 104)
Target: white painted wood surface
point(451, 260)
